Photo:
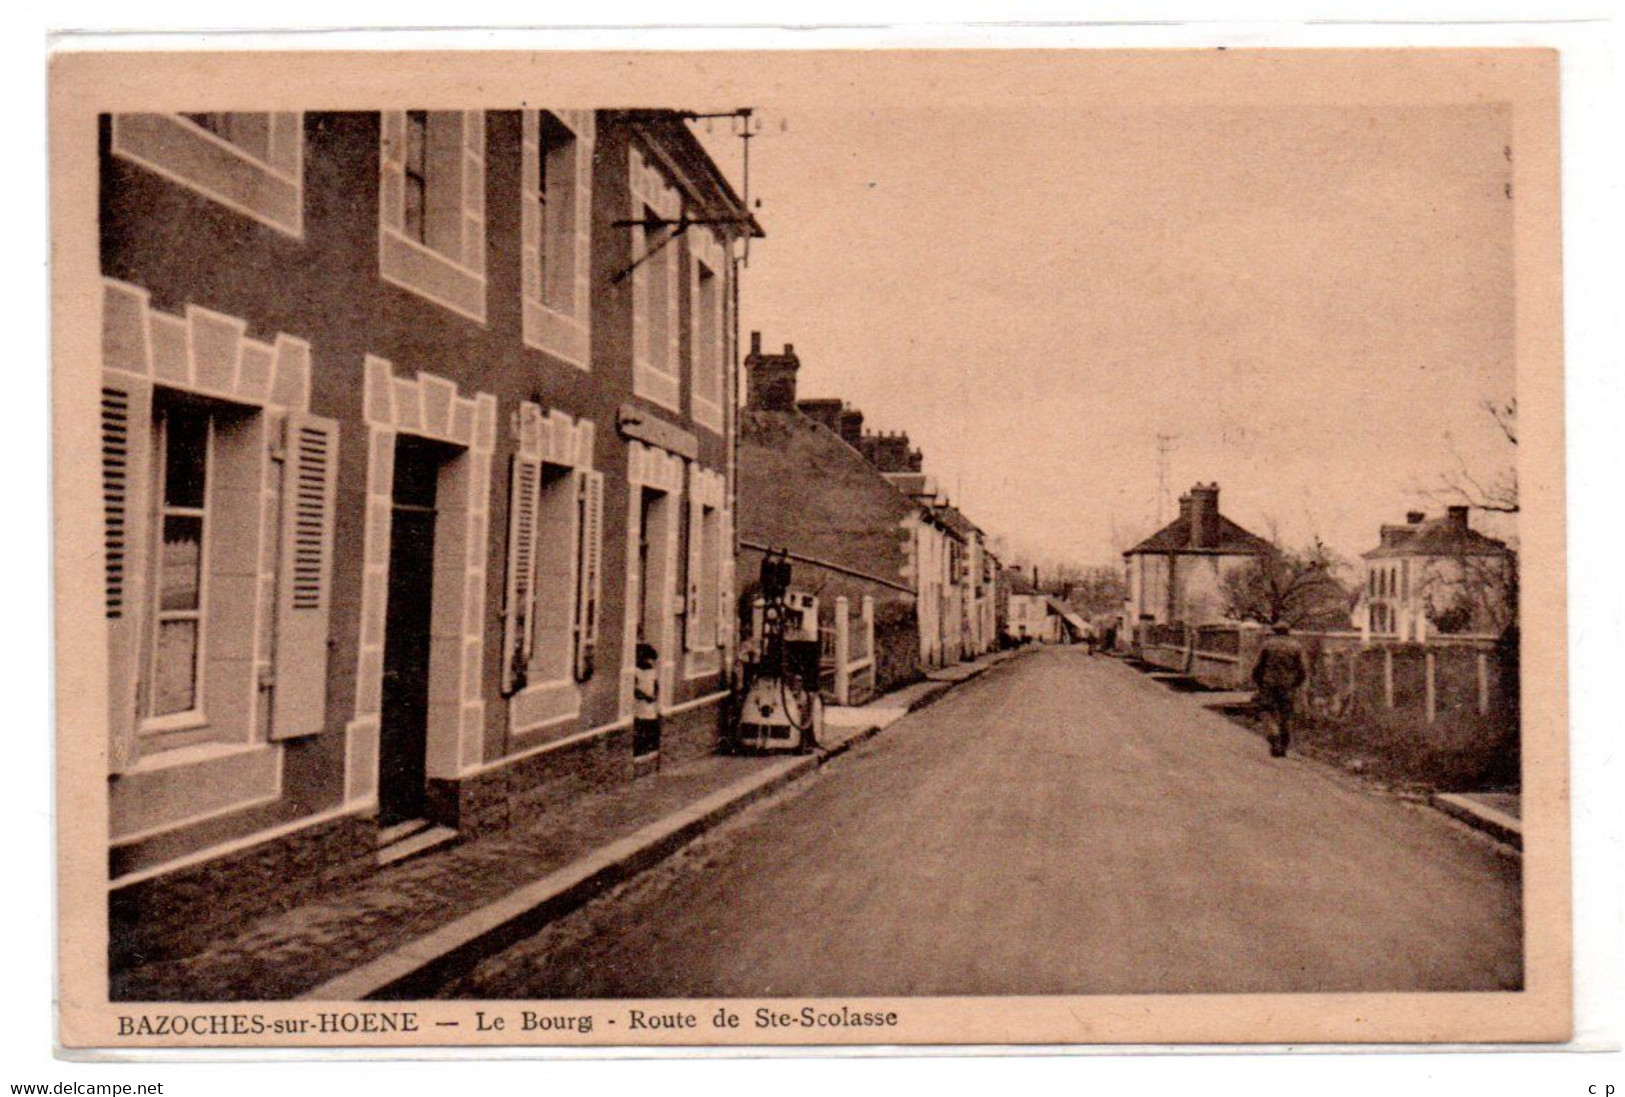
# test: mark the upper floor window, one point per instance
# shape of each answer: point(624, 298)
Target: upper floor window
point(417, 174)
point(555, 222)
point(708, 312)
point(432, 206)
point(250, 162)
point(654, 285)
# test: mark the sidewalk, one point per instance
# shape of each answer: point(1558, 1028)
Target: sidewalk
point(403, 928)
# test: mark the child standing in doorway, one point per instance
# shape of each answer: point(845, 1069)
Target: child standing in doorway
point(646, 703)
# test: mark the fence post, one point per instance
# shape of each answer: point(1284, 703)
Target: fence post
point(843, 651)
point(1483, 683)
point(1388, 676)
point(867, 609)
point(1432, 702)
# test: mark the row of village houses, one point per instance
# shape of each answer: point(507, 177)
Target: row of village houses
point(415, 425)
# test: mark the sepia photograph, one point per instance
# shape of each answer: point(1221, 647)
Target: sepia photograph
point(851, 547)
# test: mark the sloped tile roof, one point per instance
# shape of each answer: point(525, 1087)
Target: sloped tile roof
point(1437, 537)
point(1176, 537)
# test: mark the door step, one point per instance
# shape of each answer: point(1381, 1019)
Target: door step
point(404, 841)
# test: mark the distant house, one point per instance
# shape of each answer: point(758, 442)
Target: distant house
point(1030, 616)
point(1438, 575)
point(1174, 575)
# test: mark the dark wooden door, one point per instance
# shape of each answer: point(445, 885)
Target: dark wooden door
point(404, 734)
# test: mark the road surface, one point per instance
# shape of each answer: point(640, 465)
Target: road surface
point(1061, 825)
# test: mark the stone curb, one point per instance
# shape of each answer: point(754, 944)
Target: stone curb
point(415, 969)
point(1498, 825)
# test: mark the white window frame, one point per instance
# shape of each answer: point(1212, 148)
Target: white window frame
point(707, 340)
point(451, 276)
point(267, 189)
point(565, 333)
point(195, 717)
point(561, 448)
point(656, 365)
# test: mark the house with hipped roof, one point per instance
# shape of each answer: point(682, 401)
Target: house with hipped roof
point(1174, 575)
point(1438, 575)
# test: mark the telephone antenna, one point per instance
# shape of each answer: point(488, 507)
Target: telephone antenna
point(1165, 444)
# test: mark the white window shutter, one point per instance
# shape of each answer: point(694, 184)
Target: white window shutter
point(588, 571)
point(725, 594)
point(519, 610)
point(127, 448)
point(305, 576)
point(694, 615)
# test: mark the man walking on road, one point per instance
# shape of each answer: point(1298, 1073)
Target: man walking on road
point(1281, 668)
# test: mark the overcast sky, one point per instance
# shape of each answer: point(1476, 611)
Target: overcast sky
point(1311, 300)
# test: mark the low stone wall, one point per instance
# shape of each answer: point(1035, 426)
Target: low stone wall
point(1457, 694)
point(176, 914)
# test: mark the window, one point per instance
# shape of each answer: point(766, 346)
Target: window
point(707, 580)
point(654, 333)
point(544, 544)
point(555, 196)
point(251, 163)
point(432, 206)
point(179, 591)
point(649, 602)
point(707, 347)
point(655, 207)
point(417, 173)
point(555, 199)
point(432, 195)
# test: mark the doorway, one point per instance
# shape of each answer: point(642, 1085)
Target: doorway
point(404, 731)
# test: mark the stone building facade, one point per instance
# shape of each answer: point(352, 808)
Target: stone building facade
point(414, 423)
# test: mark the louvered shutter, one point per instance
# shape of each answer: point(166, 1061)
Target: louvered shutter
point(127, 446)
point(519, 610)
point(304, 576)
point(589, 567)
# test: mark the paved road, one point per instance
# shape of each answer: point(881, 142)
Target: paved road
point(1061, 825)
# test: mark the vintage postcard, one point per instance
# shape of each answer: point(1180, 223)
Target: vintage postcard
point(844, 547)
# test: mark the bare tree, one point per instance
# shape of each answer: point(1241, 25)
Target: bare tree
point(1471, 592)
point(1498, 493)
point(1298, 587)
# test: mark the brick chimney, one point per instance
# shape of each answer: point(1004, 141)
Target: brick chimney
point(1414, 517)
point(890, 452)
point(851, 427)
point(1204, 515)
point(824, 410)
point(1457, 516)
point(770, 378)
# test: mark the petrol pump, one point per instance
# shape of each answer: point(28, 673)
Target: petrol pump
point(778, 707)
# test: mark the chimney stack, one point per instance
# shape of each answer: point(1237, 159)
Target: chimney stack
point(1414, 517)
point(851, 427)
point(825, 410)
point(1204, 515)
point(770, 378)
point(1458, 516)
